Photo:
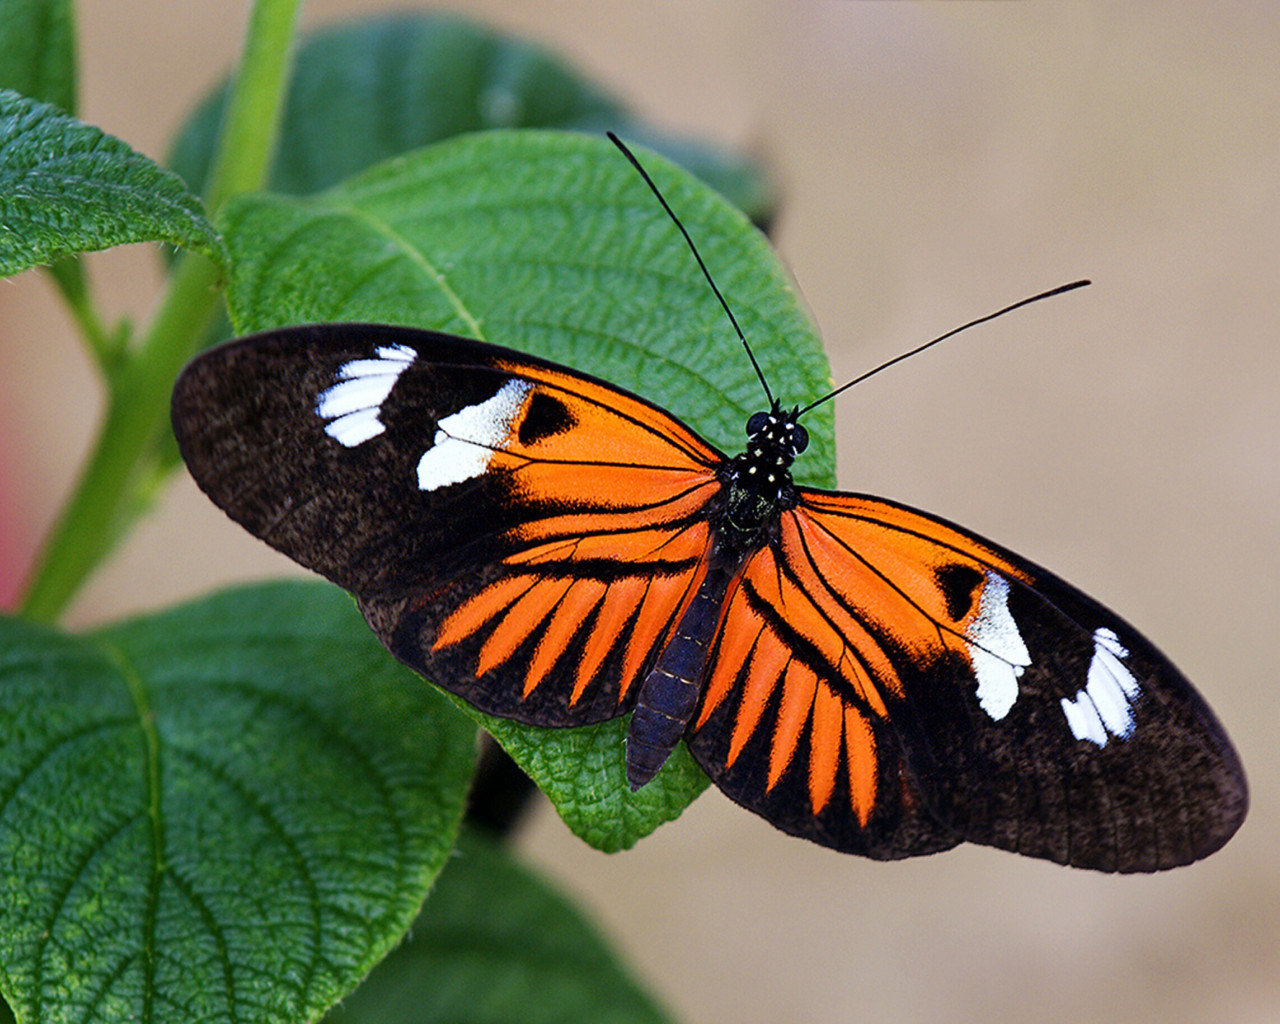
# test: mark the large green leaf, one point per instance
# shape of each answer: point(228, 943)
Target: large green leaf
point(66, 187)
point(550, 243)
point(38, 50)
point(228, 811)
point(494, 944)
point(366, 90)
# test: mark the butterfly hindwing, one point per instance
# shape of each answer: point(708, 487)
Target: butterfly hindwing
point(522, 534)
point(911, 684)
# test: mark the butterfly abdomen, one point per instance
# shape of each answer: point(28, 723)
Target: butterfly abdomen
point(757, 487)
point(670, 692)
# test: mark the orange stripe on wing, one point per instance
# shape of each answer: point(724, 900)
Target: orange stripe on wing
point(823, 620)
point(824, 747)
point(846, 514)
point(620, 601)
point(865, 687)
point(664, 600)
point(602, 411)
point(478, 609)
point(860, 749)
point(900, 589)
point(518, 623)
point(650, 506)
point(911, 544)
point(738, 636)
point(628, 546)
point(570, 614)
point(767, 663)
point(798, 691)
point(878, 602)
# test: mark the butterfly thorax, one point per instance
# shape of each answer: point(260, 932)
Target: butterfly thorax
point(758, 484)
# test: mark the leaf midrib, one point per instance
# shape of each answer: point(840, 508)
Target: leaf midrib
point(133, 681)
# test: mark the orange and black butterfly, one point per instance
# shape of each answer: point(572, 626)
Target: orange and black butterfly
point(558, 551)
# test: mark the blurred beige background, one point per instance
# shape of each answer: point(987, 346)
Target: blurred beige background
point(935, 161)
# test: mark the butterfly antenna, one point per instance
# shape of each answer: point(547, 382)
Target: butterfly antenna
point(697, 256)
point(943, 337)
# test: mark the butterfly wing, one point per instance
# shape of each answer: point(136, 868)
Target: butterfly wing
point(521, 534)
point(881, 682)
point(886, 683)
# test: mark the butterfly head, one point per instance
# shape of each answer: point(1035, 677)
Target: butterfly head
point(774, 437)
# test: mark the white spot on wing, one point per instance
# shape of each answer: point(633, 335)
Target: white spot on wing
point(1104, 707)
point(352, 405)
point(997, 651)
point(1082, 717)
point(467, 439)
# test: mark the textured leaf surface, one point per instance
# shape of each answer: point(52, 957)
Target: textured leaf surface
point(370, 89)
point(550, 243)
point(37, 50)
point(583, 772)
point(494, 944)
point(66, 187)
point(229, 811)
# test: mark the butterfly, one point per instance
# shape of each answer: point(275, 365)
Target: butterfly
point(558, 551)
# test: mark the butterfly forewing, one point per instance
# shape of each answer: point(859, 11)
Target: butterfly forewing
point(520, 533)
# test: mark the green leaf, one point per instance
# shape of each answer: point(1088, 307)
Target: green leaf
point(66, 187)
point(367, 90)
point(740, 180)
point(228, 811)
point(494, 944)
point(38, 50)
point(583, 773)
point(550, 243)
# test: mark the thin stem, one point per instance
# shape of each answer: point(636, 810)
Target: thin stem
point(252, 121)
point(89, 522)
point(106, 345)
point(95, 517)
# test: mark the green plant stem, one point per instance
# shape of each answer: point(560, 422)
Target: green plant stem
point(94, 518)
point(69, 275)
point(138, 401)
point(257, 104)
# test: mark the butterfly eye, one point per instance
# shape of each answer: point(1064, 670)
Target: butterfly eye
point(799, 439)
point(757, 423)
